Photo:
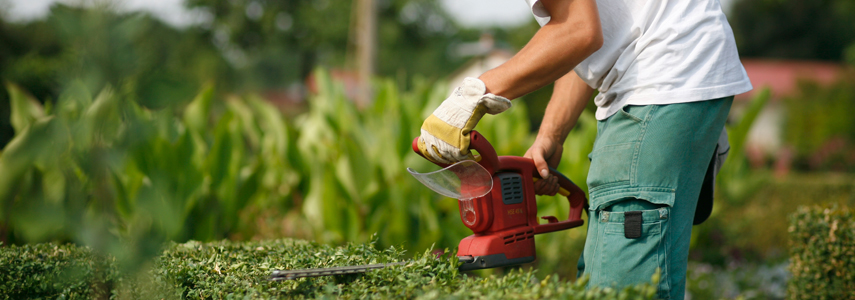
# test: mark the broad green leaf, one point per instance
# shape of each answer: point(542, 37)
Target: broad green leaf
point(100, 120)
point(247, 119)
point(73, 101)
point(25, 109)
point(220, 158)
point(247, 189)
point(53, 185)
point(739, 133)
point(20, 154)
point(347, 178)
point(196, 113)
point(123, 197)
point(272, 124)
point(314, 203)
point(38, 220)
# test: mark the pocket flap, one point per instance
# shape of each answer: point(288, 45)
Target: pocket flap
point(605, 197)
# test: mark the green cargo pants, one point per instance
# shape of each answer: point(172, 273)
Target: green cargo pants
point(647, 167)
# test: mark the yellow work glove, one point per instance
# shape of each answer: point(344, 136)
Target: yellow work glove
point(445, 134)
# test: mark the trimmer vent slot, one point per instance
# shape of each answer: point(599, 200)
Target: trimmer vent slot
point(512, 188)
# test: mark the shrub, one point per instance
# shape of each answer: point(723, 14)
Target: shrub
point(818, 126)
point(54, 271)
point(224, 269)
point(822, 253)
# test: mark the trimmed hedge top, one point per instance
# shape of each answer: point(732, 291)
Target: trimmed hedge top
point(240, 270)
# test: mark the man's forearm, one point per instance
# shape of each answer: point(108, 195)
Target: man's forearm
point(569, 98)
point(572, 34)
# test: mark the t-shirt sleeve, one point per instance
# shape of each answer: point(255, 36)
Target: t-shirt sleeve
point(539, 12)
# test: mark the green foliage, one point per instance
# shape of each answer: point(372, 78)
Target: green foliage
point(791, 29)
point(147, 61)
point(736, 182)
point(280, 42)
point(97, 46)
point(51, 271)
point(818, 125)
point(108, 173)
point(780, 198)
point(257, 46)
point(737, 187)
point(224, 269)
point(121, 178)
point(822, 253)
point(759, 280)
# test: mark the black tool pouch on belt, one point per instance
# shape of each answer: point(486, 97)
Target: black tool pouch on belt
point(632, 224)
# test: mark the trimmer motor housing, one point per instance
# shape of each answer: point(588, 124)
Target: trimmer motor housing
point(504, 221)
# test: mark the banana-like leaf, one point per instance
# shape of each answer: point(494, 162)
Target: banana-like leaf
point(245, 115)
point(100, 120)
point(197, 112)
point(73, 101)
point(272, 124)
point(738, 134)
point(220, 158)
point(25, 109)
point(53, 185)
point(21, 153)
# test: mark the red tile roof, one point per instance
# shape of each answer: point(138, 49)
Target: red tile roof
point(782, 76)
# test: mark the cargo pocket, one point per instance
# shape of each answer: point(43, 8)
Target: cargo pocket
point(632, 245)
point(610, 164)
point(616, 146)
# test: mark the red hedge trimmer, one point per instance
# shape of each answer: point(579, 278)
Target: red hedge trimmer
point(497, 202)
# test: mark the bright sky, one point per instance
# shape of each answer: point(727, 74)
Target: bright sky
point(170, 11)
point(483, 13)
point(479, 13)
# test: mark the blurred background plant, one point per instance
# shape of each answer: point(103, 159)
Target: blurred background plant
point(109, 173)
point(120, 131)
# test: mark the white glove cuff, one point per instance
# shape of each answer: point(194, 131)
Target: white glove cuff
point(474, 90)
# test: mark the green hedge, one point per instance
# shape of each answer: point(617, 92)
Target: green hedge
point(822, 253)
point(226, 269)
point(54, 272)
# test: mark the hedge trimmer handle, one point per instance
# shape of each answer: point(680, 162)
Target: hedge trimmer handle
point(574, 195)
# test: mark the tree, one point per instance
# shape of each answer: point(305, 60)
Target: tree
point(281, 41)
point(794, 29)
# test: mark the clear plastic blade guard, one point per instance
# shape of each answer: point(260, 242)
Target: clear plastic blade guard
point(463, 180)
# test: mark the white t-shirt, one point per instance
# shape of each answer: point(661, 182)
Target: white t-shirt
point(660, 52)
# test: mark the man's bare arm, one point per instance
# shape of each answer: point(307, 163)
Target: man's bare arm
point(569, 98)
point(572, 34)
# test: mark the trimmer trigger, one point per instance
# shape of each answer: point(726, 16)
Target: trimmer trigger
point(550, 219)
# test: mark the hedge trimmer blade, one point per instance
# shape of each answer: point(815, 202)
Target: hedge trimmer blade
point(279, 275)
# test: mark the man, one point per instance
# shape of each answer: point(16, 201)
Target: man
point(666, 71)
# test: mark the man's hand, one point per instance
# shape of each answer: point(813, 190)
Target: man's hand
point(546, 153)
point(445, 134)
point(568, 101)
